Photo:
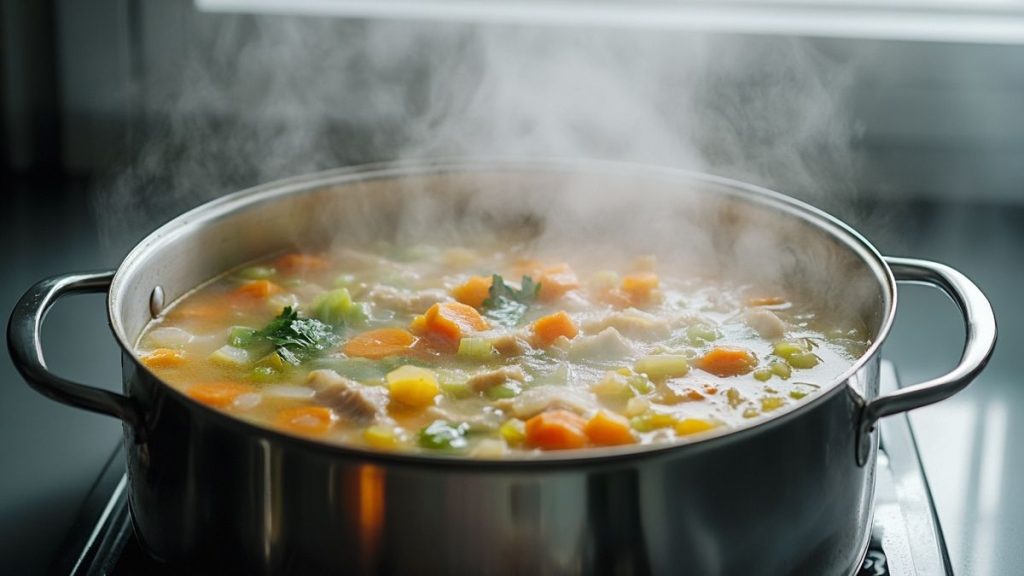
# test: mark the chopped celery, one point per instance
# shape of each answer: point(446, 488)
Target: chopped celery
point(701, 333)
point(272, 362)
point(230, 356)
point(264, 373)
point(803, 360)
point(771, 403)
point(335, 307)
point(475, 349)
point(241, 336)
point(780, 369)
point(652, 421)
point(257, 272)
point(785, 348)
point(510, 389)
point(441, 435)
point(453, 384)
point(797, 394)
point(751, 413)
point(734, 397)
point(763, 374)
point(659, 366)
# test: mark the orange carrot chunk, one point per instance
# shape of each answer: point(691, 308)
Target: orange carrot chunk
point(306, 419)
point(727, 361)
point(556, 280)
point(164, 358)
point(766, 301)
point(547, 329)
point(638, 287)
point(450, 320)
point(297, 263)
point(556, 430)
point(608, 429)
point(257, 289)
point(381, 343)
point(217, 394)
point(473, 292)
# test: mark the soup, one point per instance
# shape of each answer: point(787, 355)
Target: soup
point(492, 352)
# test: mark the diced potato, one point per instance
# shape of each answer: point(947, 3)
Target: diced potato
point(688, 426)
point(230, 356)
point(413, 386)
point(661, 366)
point(379, 436)
point(763, 374)
point(489, 448)
point(771, 403)
point(780, 369)
point(613, 386)
point(513, 431)
point(803, 360)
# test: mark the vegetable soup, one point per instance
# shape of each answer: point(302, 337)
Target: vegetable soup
point(492, 352)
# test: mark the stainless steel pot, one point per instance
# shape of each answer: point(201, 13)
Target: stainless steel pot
point(788, 495)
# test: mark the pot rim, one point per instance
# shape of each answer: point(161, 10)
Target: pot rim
point(222, 206)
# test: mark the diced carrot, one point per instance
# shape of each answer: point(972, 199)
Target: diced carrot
point(608, 429)
point(766, 301)
point(727, 361)
point(217, 394)
point(638, 287)
point(450, 320)
point(556, 430)
point(556, 280)
point(257, 289)
point(306, 419)
point(164, 358)
point(297, 262)
point(473, 292)
point(381, 343)
point(202, 308)
point(710, 389)
point(418, 324)
point(548, 328)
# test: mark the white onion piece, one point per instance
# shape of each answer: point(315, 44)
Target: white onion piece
point(296, 392)
point(247, 401)
point(169, 337)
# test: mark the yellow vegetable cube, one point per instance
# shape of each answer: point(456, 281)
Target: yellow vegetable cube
point(413, 386)
point(382, 437)
point(513, 431)
point(693, 426)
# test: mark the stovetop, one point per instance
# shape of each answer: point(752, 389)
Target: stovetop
point(906, 539)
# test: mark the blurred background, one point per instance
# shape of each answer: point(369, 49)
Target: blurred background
point(905, 119)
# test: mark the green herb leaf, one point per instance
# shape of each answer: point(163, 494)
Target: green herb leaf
point(441, 435)
point(294, 339)
point(506, 305)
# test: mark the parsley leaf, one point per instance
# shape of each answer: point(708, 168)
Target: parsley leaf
point(295, 339)
point(506, 305)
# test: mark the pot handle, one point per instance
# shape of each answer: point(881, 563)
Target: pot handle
point(25, 345)
point(980, 323)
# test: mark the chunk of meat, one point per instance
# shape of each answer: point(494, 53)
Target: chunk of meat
point(509, 344)
point(471, 415)
point(538, 399)
point(349, 399)
point(632, 323)
point(606, 345)
point(765, 323)
point(406, 300)
point(484, 381)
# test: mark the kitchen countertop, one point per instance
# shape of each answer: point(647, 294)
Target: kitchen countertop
point(53, 453)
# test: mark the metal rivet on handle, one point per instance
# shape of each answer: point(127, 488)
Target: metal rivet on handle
point(156, 302)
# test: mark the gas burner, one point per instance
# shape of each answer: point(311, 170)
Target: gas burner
point(906, 539)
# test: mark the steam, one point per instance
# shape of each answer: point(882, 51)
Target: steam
point(263, 98)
